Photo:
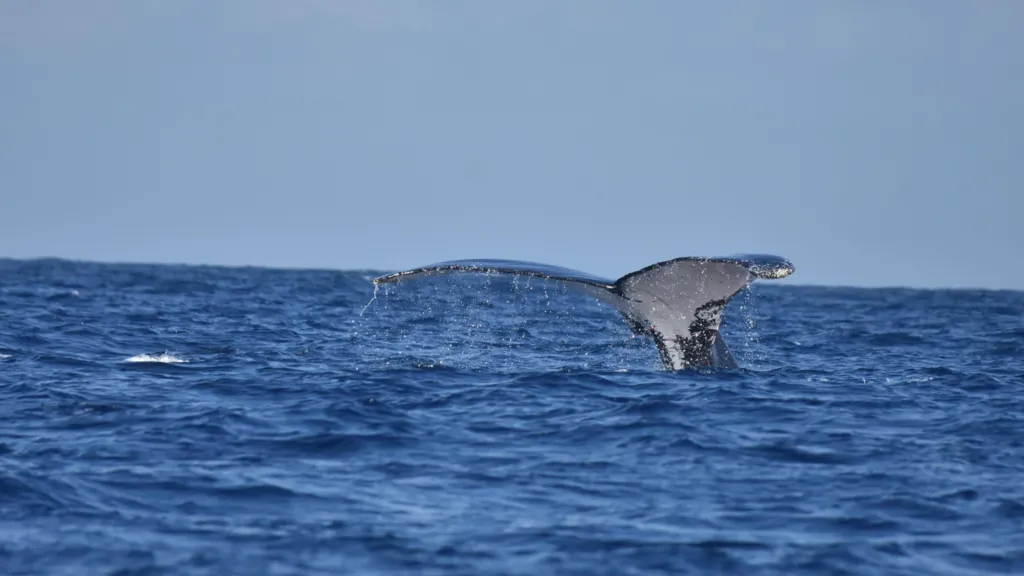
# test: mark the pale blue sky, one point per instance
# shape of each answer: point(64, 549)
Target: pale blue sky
point(871, 142)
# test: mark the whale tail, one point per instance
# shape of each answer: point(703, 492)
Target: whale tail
point(677, 302)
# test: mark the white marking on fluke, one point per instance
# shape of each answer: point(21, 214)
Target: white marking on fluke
point(677, 302)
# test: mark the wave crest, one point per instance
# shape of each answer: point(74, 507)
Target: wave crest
point(164, 358)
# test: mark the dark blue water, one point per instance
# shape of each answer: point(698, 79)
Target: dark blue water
point(193, 420)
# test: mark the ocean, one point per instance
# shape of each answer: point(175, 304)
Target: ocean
point(159, 419)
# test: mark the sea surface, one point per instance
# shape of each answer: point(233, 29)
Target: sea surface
point(203, 420)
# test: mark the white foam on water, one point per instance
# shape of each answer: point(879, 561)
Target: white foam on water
point(4, 356)
point(164, 358)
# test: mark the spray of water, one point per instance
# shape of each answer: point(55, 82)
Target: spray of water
point(751, 352)
point(376, 289)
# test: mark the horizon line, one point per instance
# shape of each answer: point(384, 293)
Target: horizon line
point(303, 268)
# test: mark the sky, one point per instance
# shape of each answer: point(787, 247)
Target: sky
point(872, 143)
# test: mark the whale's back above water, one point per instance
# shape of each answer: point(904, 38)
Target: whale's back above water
point(677, 302)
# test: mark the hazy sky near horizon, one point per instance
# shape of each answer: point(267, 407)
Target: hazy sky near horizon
point(872, 143)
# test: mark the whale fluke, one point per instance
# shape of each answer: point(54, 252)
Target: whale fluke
point(677, 302)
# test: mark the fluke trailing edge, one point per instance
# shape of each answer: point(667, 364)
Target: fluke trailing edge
point(678, 302)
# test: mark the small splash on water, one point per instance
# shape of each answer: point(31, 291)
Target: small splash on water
point(909, 380)
point(61, 294)
point(164, 358)
point(4, 356)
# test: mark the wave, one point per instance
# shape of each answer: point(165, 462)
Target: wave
point(163, 358)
